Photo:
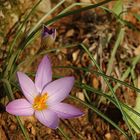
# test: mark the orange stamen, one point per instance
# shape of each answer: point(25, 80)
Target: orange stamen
point(40, 102)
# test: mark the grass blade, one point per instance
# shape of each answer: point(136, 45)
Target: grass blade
point(102, 74)
point(112, 91)
point(117, 43)
point(100, 114)
point(45, 16)
point(20, 29)
point(63, 133)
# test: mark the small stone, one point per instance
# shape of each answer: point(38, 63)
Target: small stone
point(64, 50)
point(22, 1)
point(70, 33)
point(14, 17)
point(80, 95)
point(70, 1)
point(7, 5)
point(49, 131)
point(75, 55)
point(137, 51)
point(86, 1)
point(85, 60)
point(95, 83)
point(2, 122)
point(108, 136)
point(31, 129)
point(1, 14)
point(44, 6)
point(93, 47)
point(86, 41)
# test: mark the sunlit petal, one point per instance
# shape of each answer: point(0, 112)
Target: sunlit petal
point(28, 87)
point(47, 118)
point(59, 89)
point(66, 111)
point(44, 74)
point(20, 107)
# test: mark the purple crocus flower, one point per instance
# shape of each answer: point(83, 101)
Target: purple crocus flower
point(43, 98)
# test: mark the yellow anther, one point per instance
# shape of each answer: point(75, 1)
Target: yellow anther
point(40, 102)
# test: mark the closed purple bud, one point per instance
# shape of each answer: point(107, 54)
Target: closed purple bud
point(48, 36)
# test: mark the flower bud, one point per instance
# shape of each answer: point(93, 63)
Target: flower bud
point(48, 36)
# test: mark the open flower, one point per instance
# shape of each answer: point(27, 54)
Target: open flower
point(48, 36)
point(43, 98)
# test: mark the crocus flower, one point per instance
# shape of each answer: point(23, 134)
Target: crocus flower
point(43, 98)
point(48, 36)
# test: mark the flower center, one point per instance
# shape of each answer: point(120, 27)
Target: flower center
point(40, 102)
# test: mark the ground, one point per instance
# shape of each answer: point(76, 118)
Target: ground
point(98, 31)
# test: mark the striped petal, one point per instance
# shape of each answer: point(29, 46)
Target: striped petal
point(66, 111)
point(44, 74)
point(58, 90)
point(47, 118)
point(20, 107)
point(28, 87)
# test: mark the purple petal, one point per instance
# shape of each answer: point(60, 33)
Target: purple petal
point(66, 111)
point(20, 107)
point(28, 87)
point(47, 118)
point(58, 90)
point(44, 74)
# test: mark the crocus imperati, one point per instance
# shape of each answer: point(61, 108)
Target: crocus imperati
point(48, 36)
point(43, 98)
